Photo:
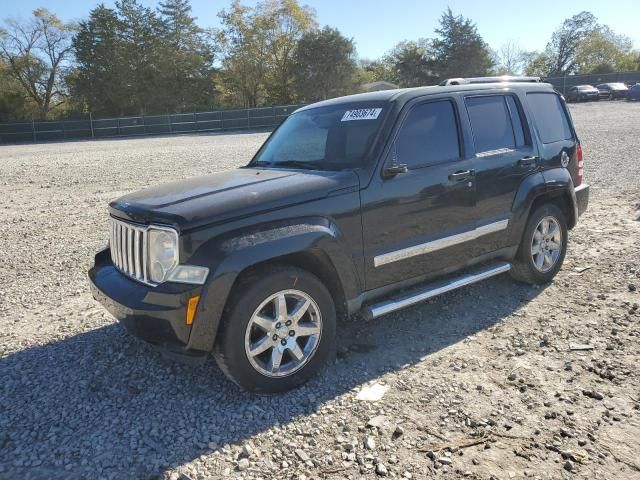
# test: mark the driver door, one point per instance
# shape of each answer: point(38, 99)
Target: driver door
point(416, 222)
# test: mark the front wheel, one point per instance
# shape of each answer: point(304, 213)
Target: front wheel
point(543, 246)
point(278, 331)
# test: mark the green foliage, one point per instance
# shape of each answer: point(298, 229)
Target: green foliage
point(459, 50)
point(132, 59)
point(324, 65)
point(581, 46)
point(602, 51)
point(410, 64)
point(260, 46)
point(34, 53)
point(186, 72)
point(13, 103)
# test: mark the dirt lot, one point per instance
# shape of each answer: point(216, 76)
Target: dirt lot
point(483, 382)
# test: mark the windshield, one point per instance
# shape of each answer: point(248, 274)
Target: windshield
point(618, 85)
point(324, 138)
point(585, 87)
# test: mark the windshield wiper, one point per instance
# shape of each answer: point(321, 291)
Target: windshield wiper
point(289, 163)
point(299, 164)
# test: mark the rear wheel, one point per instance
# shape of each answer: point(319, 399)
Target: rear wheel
point(543, 246)
point(278, 332)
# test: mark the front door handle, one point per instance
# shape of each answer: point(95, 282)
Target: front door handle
point(528, 160)
point(461, 175)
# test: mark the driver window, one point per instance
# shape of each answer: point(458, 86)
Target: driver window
point(429, 135)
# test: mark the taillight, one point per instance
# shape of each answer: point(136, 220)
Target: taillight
point(579, 165)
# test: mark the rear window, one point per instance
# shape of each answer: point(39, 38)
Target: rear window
point(550, 117)
point(491, 123)
point(429, 135)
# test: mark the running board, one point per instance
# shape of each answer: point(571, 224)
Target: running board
point(432, 290)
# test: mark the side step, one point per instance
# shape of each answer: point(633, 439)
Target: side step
point(397, 303)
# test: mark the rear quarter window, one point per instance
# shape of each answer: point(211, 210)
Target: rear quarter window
point(550, 117)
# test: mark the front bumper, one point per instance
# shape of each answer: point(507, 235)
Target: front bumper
point(154, 314)
point(582, 198)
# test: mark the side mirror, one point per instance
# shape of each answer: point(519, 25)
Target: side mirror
point(393, 170)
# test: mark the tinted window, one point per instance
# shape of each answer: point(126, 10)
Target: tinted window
point(491, 123)
point(325, 137)
point(550, 117)
point(516, 121)
point(429, 135)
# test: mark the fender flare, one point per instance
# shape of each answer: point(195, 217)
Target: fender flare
point(552, 183)
point(242, 250)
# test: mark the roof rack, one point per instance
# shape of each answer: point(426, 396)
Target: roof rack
point(501, 79)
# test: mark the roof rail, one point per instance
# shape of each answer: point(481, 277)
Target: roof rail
point(501, 79)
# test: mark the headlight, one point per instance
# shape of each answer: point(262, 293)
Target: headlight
point(163, 260)
point(163, 253)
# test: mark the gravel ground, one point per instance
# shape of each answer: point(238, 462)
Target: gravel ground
point(482, 383)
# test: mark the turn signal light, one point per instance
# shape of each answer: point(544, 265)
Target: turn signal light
point(191, 309)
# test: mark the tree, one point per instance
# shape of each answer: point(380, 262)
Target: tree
point(100, 79)
point(260, 46)
point(563, 48)
point(510, 59)
point(603, 51)
point(186, 73)
point(376, 70)
point(13, 101)
point(35, 53)
point(410, 64)
point(458, 49)
point(141, 35)
point(324, 65)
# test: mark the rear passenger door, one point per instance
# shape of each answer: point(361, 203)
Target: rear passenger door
point(505, 154)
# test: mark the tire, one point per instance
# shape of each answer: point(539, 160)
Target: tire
point(524, 268)
point(251, 321)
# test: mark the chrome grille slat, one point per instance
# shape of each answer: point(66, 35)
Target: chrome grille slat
point(130, 231)
point(144, 257)
point(136, 256)
point(129, 250)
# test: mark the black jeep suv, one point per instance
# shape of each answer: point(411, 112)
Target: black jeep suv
point(369, 203)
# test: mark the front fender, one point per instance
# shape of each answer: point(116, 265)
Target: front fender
point(236, 252)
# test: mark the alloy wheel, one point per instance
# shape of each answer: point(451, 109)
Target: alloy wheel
point(546, 244)
point(283, 333)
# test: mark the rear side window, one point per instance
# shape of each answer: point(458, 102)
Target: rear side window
point(550, 117)
point(429, 135)
point(491, 123)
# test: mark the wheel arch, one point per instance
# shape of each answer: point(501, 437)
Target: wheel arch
point(318, 248)
point(550, 186)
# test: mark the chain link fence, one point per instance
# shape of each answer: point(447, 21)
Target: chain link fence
point(245, 119)
point(562, 84)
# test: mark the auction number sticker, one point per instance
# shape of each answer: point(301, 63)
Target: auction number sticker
point(361, 114)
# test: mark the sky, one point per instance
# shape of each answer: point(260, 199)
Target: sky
point(377, 25)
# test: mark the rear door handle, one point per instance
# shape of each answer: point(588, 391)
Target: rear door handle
point(528, 160)
point(461, 175)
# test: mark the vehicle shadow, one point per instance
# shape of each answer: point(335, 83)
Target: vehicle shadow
point(102, 404)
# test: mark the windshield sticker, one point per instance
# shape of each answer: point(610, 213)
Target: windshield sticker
point(362, 114)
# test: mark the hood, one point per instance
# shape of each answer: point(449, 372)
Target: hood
point(223, 196)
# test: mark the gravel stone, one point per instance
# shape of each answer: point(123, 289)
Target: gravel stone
point(81, 398)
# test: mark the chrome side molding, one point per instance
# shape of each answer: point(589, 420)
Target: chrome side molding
point(398, 303)
point(440, 243)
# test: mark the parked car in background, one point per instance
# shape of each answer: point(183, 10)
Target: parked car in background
point(583, 93)
point(613, 91)
point(634, 92)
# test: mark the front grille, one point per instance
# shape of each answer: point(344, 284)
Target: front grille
point(128, 245)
